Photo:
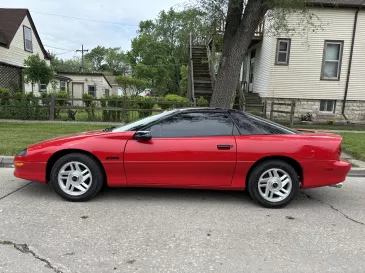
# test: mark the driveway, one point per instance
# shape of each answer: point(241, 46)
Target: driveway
point(152, 230)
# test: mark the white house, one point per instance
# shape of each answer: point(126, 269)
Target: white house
point(77, 84)
point(18, 40)
point(324, 70)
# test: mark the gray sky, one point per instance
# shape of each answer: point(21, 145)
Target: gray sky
point(66, 33)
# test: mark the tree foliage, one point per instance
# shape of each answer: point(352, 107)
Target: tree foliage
point(161, 47)
point(71, 65)
point(112, 61)
point(134, 85)
point(37, 70)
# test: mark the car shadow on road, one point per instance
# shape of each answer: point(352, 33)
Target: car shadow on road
point(154, 195)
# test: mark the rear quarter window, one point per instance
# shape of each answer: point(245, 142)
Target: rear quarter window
point(252, 125)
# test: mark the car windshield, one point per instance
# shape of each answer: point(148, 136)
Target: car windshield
point(135, 126)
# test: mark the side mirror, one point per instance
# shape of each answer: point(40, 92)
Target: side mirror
point(142, 135)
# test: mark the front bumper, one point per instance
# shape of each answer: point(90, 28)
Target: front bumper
point(32, 171)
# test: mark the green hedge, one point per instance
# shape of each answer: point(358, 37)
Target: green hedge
point(28, 107)
point(22, 106)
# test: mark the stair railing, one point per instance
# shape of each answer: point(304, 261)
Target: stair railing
point(191, 89)
point(211, 60)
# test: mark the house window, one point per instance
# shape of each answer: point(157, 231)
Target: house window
point(332, 58)
point(107, 92)
point(43, 87)
point(282, 52)
point(28, 45)
point(92, 90)
point(327, 106)
point(63, 85)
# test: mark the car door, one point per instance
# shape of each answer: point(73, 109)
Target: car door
point(187, 149)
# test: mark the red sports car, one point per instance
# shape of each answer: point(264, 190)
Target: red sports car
point(201, 148)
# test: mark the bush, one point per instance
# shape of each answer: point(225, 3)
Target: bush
point(61, 95)
point(202, 102)
point(146, 103)
point(179, 102)
point(90, 112)
point(4, 96)
point(22, 106)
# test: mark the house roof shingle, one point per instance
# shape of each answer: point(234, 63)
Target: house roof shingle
point(111, 79)
point(10, 21)
point(338, 3)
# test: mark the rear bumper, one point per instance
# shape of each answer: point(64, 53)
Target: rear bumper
point(32, 171)
point(320, 174)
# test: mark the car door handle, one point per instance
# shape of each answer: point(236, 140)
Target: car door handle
point(224, 147)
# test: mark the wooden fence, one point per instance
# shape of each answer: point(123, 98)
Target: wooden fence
point(290, 113)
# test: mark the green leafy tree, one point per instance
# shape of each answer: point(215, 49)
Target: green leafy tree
point(71, 65)
point(97, 57)
point(161, 47)
point(37, 70)
point(134, 85)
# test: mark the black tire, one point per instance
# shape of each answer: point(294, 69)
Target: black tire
point(97, 174)
point(253, 183)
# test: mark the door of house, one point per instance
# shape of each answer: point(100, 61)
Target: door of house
point(252, 69)
point(77, 92)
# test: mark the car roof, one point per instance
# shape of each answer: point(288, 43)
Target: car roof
point(210, 109)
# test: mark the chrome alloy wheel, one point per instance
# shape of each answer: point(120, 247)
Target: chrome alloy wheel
point(74, 178)
point(275, 185)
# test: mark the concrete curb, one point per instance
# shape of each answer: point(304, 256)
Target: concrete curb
point(8, 162)
point(357, 172)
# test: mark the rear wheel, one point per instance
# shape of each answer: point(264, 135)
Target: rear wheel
point(77, 177)
point(273, 184)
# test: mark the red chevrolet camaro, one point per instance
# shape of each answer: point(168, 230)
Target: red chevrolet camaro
point(201, 148)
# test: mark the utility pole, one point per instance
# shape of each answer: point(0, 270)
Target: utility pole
point(82, 56)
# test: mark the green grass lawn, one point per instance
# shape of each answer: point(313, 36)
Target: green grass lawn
point(354, 144)
point(17, 136)
point(331, 127)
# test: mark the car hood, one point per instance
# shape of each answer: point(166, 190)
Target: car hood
point(68, 138)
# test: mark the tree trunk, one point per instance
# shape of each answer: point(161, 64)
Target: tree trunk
point(233, 53)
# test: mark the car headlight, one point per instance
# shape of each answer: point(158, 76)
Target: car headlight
point(23, 153)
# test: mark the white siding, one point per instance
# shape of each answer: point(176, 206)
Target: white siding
point(301, 78)
point(262, 66)
point(356, 89)
point(99, 81)
point(16, 54)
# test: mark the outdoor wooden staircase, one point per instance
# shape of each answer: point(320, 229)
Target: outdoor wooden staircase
point(202, 76)
point(203, 86)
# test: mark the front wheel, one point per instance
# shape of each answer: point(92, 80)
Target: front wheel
point(273, 184)
point(77, 177)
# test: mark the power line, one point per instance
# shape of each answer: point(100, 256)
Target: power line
point(84, 19)
point(58, 48)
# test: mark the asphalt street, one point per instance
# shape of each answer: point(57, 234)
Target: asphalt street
point(162, 230)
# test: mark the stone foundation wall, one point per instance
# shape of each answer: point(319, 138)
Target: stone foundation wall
point(354, 111)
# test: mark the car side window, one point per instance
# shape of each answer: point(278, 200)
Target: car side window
point(197, 124)
point(252, 126)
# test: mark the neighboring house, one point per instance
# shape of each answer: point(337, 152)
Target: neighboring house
point(322, 70)
point(18, 40)
point(114, 84)
point(77, 84)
